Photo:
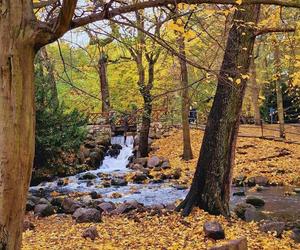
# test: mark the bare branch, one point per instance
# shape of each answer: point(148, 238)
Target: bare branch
point(274, 30)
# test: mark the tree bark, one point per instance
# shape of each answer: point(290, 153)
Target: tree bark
point(187, 149)
point(254, 92)
point(147, 109)
point(210, 188)
point(17, 117)
point(104, 83)
point(279, 92)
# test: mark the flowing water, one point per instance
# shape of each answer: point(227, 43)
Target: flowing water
point(278, 205)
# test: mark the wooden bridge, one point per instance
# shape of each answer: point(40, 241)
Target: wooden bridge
point(121, 123)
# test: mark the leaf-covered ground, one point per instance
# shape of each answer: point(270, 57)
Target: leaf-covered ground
point(147, 232)
point(277, 160)
point(171, 231)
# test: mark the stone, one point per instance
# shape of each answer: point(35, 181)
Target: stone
point(69, 205)
point(239, 244)
point(90, 144)
point(91, 233)
point(166, 165)
point(180, 187)
point(176, 174)
point(118, 181)
point(106, 184)
point(255, 201)
point(106, 207)
point(28, 225)
point(33, 198)
point(127, 207)
point(153, 161)
point(142, 161)
point(88, 176)
point(43, 210)
point(95, 195)
point(43, 201)
point(239, 180)
point(257, 180)
point(95, 159)
point(274, 227)
point(297, 190)
point(57, 201)
point(213, 230)
point(296, 235)
point(84, 215)
point(239, 193)
point(170, 207)
point(241, 208)
point(139, 177)
point(29, 205)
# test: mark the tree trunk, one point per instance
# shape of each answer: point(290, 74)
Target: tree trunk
point(254, 92)
point(147, 109)
point(187, 149)
point(211, 184)
point(104, 83)
point(279, 92)
point(17, 118)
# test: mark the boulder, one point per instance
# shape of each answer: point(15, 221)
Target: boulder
point(118, 181)
point(69, 205)
point(95, 195)
point(139, 177)
point(257, 180)
point(29, 205)
point(296, 235)
point(255, 201)
point(241, 208)
point(95, 158)
point(28, 225)
point(91, 233)
point(43, 210)
point(142, 161)
point(213, 230)
point(274, 227)
point(297, 190)
point(239, 193)
point(166, 165)
point(90, 144)
point(88, 176)
point(106, 207)
point(127, 207)
point(84, 215)
point(239, 244)
point(239, 180)
point(153, 161)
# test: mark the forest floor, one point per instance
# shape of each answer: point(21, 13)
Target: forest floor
point(171, 231)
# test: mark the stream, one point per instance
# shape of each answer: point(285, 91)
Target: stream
point(277, 206)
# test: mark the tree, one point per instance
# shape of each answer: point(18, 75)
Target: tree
point(210, 188)
point(21, 36)
point(279, 91)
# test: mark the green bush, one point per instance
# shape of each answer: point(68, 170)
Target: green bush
point(57, 130)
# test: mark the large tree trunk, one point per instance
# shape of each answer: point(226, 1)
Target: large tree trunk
point(187, 149)
point(17, 118)
point(147, 109)
point(279, 100)
point(254, 92)
point(211, 184)
point(104, 83)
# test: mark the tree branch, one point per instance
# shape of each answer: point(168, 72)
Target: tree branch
point(159, 3)
point(274, 30)
point(43, 4)
point(50, 32)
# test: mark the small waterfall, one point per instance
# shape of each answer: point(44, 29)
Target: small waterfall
point(123, 141)
point(111, 164)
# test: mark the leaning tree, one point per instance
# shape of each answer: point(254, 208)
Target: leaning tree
point(22, 34)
